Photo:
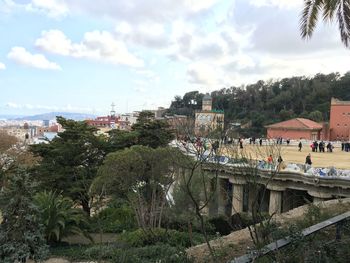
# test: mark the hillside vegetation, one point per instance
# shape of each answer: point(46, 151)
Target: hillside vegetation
point(266, 102)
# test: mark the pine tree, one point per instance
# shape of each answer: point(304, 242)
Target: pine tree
point(21, 235)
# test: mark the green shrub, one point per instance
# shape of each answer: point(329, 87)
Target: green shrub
point(58, 216)
point(139, 238)
point(114, 220)
point(112, 253)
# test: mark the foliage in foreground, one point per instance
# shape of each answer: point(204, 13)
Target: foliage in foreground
point(58, 216)
point(141, 238)
point(113, 253)
point(21, 235)
point(116, 218)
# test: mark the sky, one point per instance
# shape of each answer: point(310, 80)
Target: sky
point(82, 55)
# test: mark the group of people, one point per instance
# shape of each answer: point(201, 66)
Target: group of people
point(252, 140)
point(320, 146)
point(345, 146)
point(279, 140)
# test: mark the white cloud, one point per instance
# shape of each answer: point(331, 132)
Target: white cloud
point(148, 34)
point(96, 45)
point(2, 66)
point(53, 8)
point(278, 3)
point(203, 74)
point(21, 56)
point(142, 11)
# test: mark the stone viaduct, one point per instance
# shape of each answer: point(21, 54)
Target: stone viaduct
point(275, 192)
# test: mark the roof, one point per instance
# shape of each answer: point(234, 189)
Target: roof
point(207, 97)
point(296, 124)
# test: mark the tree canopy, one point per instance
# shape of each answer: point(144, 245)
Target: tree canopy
point(70, 161)
point(263, 103)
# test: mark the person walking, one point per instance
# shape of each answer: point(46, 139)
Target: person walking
point(308, 159)
point(300, 145)
point(308, 162)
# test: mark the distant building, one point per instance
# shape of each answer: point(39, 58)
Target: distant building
point(46, 123)
point(112, 121)
point(298, 128)
point(339, 124)
point(208, 119)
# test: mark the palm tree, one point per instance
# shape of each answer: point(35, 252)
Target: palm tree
point(59, 217)
point(331, 10)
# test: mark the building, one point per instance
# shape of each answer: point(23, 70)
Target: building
point(298, 128)
point(339, 123)
point(208, 119)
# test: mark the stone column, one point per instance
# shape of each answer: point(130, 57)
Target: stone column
point(222, 195)
point(275, 205)
point(237, 195)
point(319, 196)
point(237, 198)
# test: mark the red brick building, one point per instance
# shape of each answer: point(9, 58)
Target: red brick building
point(298, 128)
point(339, 123)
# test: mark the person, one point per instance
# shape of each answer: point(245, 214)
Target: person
point(280, 163)
point(329, 147)
point(308, 159)
point(300, 145)
point(279, 160)
point(288, 141)
point(215, 146)
point(342, 146)
point(315, 146)
point(269, 161)
point(241, 143)
point(260, 141)
point(321, 146)
point(308, 162)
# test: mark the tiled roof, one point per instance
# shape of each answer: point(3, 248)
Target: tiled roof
point(297, 123)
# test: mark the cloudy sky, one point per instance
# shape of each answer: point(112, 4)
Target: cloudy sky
point(82, 55)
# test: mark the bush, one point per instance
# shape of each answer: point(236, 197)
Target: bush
point(150, 254)
point(58, 216)
point(114, 220)
point(139, 238)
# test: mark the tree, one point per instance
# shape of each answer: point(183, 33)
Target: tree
point(119, 140)
point(58, 216)
point(21, 235)
point(70, 161)
point(142, 176)
point(316, 116)
point(12, 156)
point(152, 133)
point(338, 10)
point(6, 141)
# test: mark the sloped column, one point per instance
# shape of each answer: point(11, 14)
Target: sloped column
point(222, 195)
point(237, 195)
point(275, 205)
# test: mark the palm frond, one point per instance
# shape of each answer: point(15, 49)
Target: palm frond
point(344, 21)
point(309, 17)
point(329, 9)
